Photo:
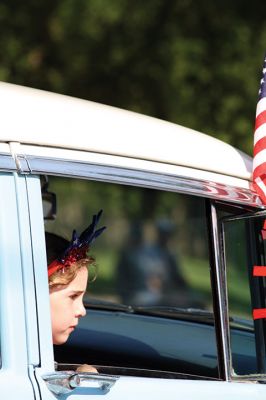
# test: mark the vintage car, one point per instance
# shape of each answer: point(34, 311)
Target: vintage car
point(177, 307)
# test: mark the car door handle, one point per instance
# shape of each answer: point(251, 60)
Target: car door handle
point(65, 382)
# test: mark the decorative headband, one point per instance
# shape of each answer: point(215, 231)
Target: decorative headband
point(78, 247)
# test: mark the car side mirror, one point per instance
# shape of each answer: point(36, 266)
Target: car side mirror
point(48, 200)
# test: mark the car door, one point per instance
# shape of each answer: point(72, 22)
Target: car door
point(114, 386)
point(16, 331)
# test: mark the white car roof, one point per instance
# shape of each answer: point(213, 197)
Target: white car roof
point(36, 117)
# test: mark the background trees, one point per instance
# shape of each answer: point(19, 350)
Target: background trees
point(196, 63)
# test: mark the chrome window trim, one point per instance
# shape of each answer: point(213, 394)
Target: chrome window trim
point(7, 163)
point(222, 302)
point(144, 178)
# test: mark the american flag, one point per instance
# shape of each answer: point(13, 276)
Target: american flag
point(259, 161)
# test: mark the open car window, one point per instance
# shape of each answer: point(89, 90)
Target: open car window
point(155, 246)
point(150, 306)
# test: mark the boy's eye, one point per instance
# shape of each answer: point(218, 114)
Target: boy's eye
point(73, 296)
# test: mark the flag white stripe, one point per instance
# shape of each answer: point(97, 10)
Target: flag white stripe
point(259, 158)
point(261, 106)
point(261, 184)
point(260, 133)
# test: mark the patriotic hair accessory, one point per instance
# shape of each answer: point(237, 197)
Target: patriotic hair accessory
point(78, 247)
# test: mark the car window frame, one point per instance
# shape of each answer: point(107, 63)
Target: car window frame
point(150, 180)
point(83, 170)
point(236, 214)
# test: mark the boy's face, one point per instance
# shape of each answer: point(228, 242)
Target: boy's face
point(66, 304)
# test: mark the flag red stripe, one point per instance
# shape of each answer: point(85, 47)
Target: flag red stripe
point(259, 270)
point(260, 170)
point(259, 313)
point(260, 145)
point(261, 119)
point(261, 193)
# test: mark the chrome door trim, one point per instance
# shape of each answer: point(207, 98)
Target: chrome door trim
point(127, 176)
point(222, 302)
point(7, 163)
point(61, 383)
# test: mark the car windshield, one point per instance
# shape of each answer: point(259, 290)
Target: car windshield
point(190, 314)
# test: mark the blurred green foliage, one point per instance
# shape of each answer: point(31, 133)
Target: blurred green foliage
point(196, 63)
point(138, 218)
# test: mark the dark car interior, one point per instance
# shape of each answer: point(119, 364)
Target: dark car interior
point(120, 349)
